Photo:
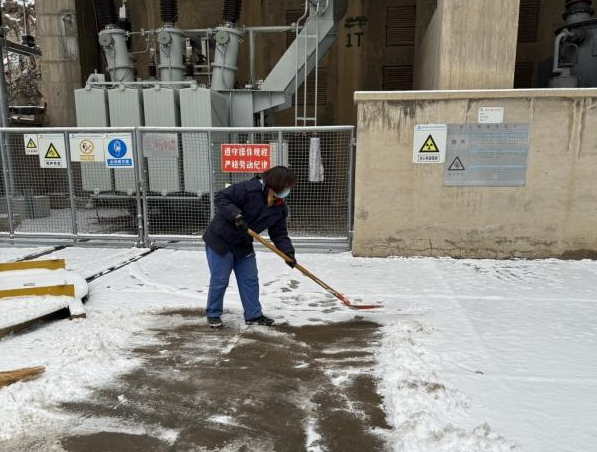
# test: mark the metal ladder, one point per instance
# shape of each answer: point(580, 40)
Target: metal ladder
point(305, 37)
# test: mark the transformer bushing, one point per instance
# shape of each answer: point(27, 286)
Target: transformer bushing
point(114, 43)
point(575, 62)
point(105, 13)
point(578, 11)
point(171, 68)
point(231, 12)
point(169, 11)
point(226, 58)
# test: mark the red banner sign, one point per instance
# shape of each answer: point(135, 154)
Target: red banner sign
point(246, 158)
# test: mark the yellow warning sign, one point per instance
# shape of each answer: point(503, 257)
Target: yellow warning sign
point(429, 145)
point(52, 153)
point(30, 144)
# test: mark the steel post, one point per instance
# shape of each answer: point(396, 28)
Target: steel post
point(212, 206)
point(139, 188)
point(71, 185)
point(7, 190)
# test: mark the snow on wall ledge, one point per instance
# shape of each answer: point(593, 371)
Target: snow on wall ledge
point(405, 209)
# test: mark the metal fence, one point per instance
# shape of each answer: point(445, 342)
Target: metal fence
point(155, 186)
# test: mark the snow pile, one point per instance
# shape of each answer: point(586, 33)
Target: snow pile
point(15, 311)
point(16, 253)
point(418, 405)
point(78, 356)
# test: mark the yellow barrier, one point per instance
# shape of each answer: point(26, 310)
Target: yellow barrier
point(54, 264)
point(57, 291)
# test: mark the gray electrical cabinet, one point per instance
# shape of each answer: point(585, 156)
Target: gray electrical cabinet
point(126, 110)
point(161, 108)
point(92, 111)
point(27, 207)
point(199, 107)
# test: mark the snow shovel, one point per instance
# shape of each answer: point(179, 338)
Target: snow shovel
point(29, 373)
point(310, 275)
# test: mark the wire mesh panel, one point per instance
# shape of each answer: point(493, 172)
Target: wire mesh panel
point(319, 204)
point(5, 218)
point(149, 184)
point(177, 183)
point(106, 199)
point(38, 185)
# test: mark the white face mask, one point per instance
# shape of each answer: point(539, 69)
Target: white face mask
point(283, 194)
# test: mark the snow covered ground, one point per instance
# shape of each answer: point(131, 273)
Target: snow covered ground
point(475, 355)
point(14, 253)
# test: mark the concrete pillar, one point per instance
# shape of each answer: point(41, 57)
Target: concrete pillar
point(61, 70)
point(468, 45)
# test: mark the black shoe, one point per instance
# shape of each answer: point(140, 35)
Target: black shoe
point(263, 320)
point(215, 322)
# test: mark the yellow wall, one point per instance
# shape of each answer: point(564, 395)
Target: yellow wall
point(406, 209)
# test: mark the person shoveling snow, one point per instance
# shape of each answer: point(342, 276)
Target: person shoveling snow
point(244, 210)
point(258, 204)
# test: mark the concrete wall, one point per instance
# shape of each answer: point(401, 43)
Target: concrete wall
point(405, 209)
point(61, 69)
point(469, 45)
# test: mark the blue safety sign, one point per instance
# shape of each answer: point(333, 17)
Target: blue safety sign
point(119, 152)
point(117, 148)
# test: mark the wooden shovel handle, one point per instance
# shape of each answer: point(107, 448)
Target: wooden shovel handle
point(308, 274)
point(299, 267)
point(269, 245)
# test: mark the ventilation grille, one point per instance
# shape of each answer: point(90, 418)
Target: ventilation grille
point(292, 16)
point(397, 78)
point(528, 20)
point(400, 26)
point(523, 75)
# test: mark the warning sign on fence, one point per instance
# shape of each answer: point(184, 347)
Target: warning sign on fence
point(30, 141)
point(160, 145)
point(52, 150)
point(246, 158)
point(87, 147)
point(429, 144)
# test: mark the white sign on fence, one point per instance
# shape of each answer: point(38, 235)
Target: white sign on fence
point(86, 147)
point(429, 144)
point(52, 150)
point(30, 141)
point(119, 151)
point(160, 145)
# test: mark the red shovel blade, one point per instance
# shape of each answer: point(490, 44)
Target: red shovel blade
point(360, 307)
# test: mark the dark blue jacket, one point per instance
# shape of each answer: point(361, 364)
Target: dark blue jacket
point(248, 198)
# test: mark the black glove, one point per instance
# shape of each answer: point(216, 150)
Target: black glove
point(241, 224)
point(291, 264)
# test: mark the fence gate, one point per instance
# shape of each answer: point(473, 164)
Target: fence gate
point(155, 186)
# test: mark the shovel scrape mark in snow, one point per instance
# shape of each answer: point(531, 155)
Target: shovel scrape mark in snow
point(259, 393)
